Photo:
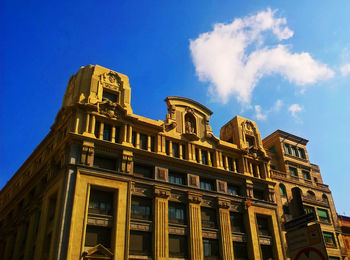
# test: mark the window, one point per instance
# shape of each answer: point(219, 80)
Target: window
point(197, 154)
point(183, 151)
point(208, 218)
point(293, 172)
point(177, 246)
point(101, 202)
point(152, 144)
point(250, 140)
point(143, 170)
point(177, 178)
point(283, 192)
point(98, 235)
point(259, 194)
point(230, 164)
point(97, 129)
point(110, 97)
point(323, 215)
point(210, 249)
point(329, 239)
point(310, 194)
point(205, 157)
point(302, 153)
point(233, 190)
point(240, 251)
point(143, 141)
point(117, 134)
point(176, 150)
point(107, 132)
point(105, 163)
point(133, 138)
point(272, 149)
point(308, 209)
point(141, 208)
point(237, 224)
point(306, 175)
point(263, 226)
point(176, 213)
point(287, 149)
point(315, 180)
point(333, 258)
point(140, 243)
point(266, 252)
point(294, 151)
point(206, 184)
point(324, 198)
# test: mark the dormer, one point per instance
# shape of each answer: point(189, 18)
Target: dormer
point(188, 118)
point(96, 85)
point(244, 133)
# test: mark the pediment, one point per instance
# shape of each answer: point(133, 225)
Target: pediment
point(98, 252)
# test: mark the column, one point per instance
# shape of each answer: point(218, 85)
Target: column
point(210, 159)
point(21, 233)
point(194, 212)
point(31, 236)
point(251, 168)
point(161, 233)
point(180, 151)
point(253, 239)
point(199, 159)
point(42, 229)
point(101, 131)
point(258, 171)
point(137, 140)
point(76, 127)
point(226, 163)
point(225, 230)
point(129, 135)
point(113, 134)
point(234, 165)
point(93, 123)
point(170, 148)
point(148, 143)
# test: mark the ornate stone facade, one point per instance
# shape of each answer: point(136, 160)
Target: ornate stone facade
point(109, 184)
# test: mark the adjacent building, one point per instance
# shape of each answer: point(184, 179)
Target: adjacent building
point(344, 222)
point(106, 183)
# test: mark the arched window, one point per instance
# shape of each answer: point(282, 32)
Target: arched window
point(310, 194)
point(283, 192)
point(324, 198)
point(190, 124)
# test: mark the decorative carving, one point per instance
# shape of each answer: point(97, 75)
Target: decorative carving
point(194, 198)
point(209, 234)
point(127, 159)
point(87, 154)
point(161, 192)
point(111, 80)
point(222, 203)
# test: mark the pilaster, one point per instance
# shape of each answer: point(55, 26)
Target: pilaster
point(194, 212)
point(225, 230)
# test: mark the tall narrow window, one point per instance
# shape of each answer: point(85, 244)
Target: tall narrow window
point(294, 151)
point(176, 150)
point(287, 148)
point(283, 192)
point(143, 141)
point(230, 164)
point(250, 140)
point(183, 151)
point(133, 138)
point(97, 129)
point(302, 153)
point(197, 155)
point(208, 218)
point(100, 215)
point(263, 225)
point(107, 132)
point(152, 144)
point(204, 157)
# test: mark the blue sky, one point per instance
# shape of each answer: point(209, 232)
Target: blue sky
point(283, 64)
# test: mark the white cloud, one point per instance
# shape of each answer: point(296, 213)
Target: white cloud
point(222, 57)
point(258, 113)
point(345, 70)
point(294, 109)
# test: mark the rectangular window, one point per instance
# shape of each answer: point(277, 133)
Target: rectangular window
point(177, 246)
point(302, 153)
point(133, 138)
point(263, 226)
point(98, 235)
point(105, 163)
point(143, 141)
point(152, 144)
point(259, 194)
point(287, 148)
point(329, 239)
point(197, 154)
point(250, 140)
point(101, 202)
point(206, 184)
point(240, 251)
point(306, 175)
point(110, 97)
point(293, 172)
point(141, 208)
point(97, 129)
point(308, 209)
point(167, 147)
point(205, 157)
point(323, 215)
point(140, 243)
point(176, 150)
point(141, 170)
point(237, 224)
point(177, 178)
point(294, 151)
point(177, 213)
point(117, 134)
point(211, 249)
point(272, 149)
point(233, 189)
point(183, 151)
point(107, 132)
point(230, 164)
point(208, 218)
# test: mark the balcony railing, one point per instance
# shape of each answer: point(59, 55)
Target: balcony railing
point(314, 200)
point(278, 174)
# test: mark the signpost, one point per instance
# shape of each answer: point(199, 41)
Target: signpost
point(306, 243)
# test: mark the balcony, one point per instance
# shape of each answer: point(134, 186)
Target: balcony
point(278, 174)
point(313, 200)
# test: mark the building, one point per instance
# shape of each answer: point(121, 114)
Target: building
point(300, 189)
point(344, 223)
point(106, 183)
